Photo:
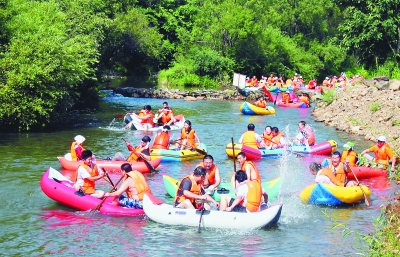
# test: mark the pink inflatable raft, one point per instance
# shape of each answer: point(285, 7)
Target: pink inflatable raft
point(110, 165)
point(59, 188)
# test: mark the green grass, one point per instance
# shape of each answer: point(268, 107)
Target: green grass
point(375, 107)
point(328, 97)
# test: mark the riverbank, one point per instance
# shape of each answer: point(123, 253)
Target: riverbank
point(371, 109)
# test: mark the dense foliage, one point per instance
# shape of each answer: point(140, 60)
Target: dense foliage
point(54, 53)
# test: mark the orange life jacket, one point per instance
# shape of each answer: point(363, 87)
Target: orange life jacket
point(140, 184)
point(350, 156)
point(73, 151)
point(329, 174)
point(258, 177)
point(167, 115)
point(189, 136)
point(211, 175)
point(134, 157)
point(310, 137)
point(253, 197)
point(339, 172)
point(195, 189)
point(271, 80)
point(148, 120)
point(262, 103)
point(267, 138)
point(286, 97)
point(249, 139)
point(304, 99)
point(161, 141)
point(381, 156)
point(277, 139)
point(88, 185)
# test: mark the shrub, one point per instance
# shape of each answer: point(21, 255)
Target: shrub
point(375, 106)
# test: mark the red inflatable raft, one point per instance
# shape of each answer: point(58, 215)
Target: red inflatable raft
point(366, 172)
point(110, 165)
point(59, 188)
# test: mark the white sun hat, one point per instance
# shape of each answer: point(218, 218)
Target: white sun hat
point(79, 139)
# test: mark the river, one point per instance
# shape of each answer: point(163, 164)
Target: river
point(34, 225)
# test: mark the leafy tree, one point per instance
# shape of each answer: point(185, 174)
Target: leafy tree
point(43, 62)
point(371, 30)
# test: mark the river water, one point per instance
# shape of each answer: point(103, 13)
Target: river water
point(31, 224)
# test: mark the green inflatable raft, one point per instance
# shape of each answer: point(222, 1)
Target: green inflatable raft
point(271, 187)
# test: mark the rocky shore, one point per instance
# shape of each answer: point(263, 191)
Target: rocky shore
point(227, 94)
point(370, 108)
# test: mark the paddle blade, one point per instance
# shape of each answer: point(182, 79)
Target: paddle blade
point(200, 151)
point(149, 166)
point(119, 116)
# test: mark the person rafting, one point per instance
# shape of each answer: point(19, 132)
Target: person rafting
point(146, 118)
point(339, 169)
point(188, 136)
point(161, 140)
point(305, 99)
point(383, 153)
point(137, 153)
point(267, 137)
point(278, 139)
point(134, 185)
point(213, 178)
point(190, 194)
point(250, 138)
point(248, 167)
point(248, 195)
point(165, 115)
point(261, 102)
point(305, 136)
point(349, 155)
point(326, 176)
point(77, 148)
point(86, 176)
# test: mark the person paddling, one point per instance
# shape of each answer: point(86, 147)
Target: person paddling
point(248, 195)
point(137, 153)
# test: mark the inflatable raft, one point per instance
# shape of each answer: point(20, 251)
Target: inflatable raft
point(59, 188)
point(323, 148)
point(366, 172)
point(110, 165)
point(293, 105)
point(176, 155)
point(167, 214)
point(332, 195)
point(137, 125)
point(271, 187)
point(250, 109)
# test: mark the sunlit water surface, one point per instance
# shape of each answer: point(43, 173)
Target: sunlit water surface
point(32, 224)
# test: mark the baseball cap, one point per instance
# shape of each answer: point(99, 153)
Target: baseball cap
point(348, 145)
point(382, 138)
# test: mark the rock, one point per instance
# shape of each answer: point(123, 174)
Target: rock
point(189, 98)
point(381, 78)
point(394, 85)
point(382, 85)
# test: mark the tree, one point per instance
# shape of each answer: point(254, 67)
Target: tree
point(371, 30)
point(45, 59)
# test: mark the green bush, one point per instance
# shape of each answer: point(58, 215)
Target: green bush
point(328, 97)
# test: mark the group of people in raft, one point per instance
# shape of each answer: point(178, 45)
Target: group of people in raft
point(272, 138)
point(334, 170)
point(194, 189)
point(163, 117)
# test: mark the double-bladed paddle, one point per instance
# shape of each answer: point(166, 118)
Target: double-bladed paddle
point(148, 164)
point(202, 152)
point(102, 201)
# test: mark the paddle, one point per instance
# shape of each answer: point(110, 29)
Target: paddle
point(367, 200)
point(201, 215)
point(148, 164)
point(233, 155)
point(119, 115)
point(108, 177)
point(104, 198)
point(202, 152)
